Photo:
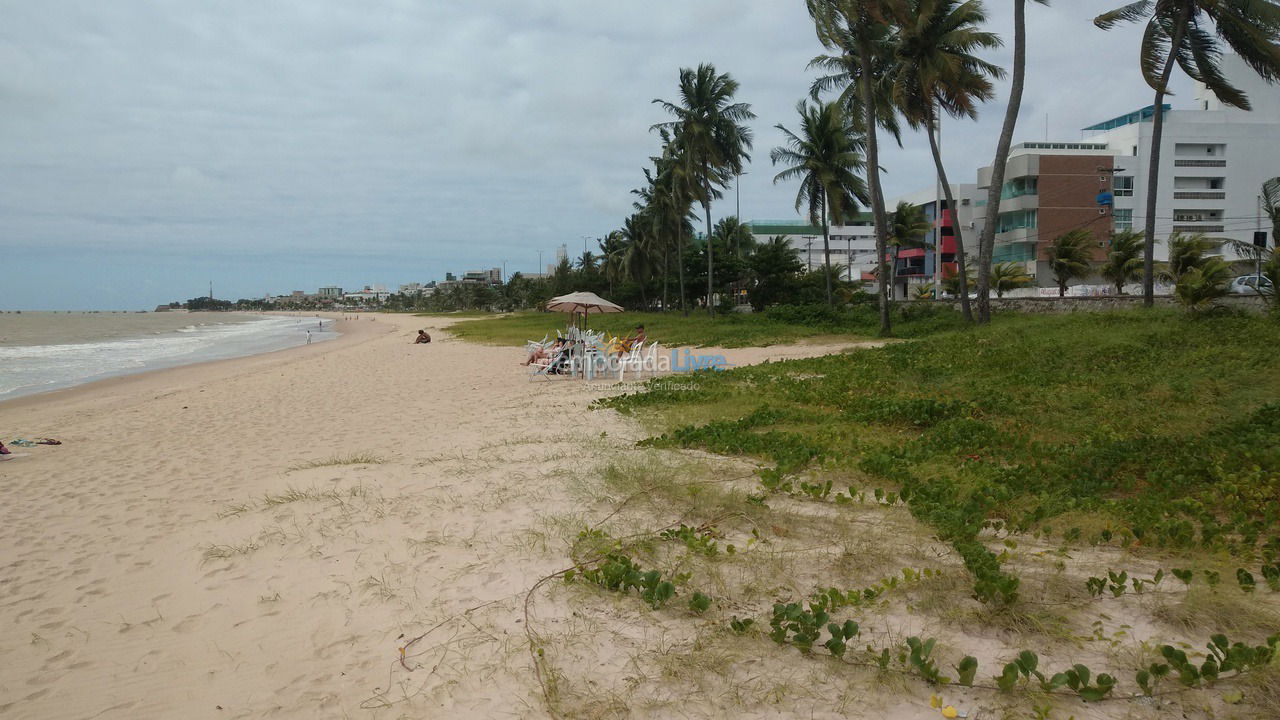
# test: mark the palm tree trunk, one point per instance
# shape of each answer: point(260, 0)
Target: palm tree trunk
point(1153, 173)
point(987, 241)
point(684, 298)
point(706, 208)
point(961, 270)
point(873, 180)
point(826, 244)
point(666, 274)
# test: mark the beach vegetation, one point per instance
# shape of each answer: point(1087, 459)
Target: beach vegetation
point(777, 325)
point(917, 486)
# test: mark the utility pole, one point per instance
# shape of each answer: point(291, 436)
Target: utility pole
point(210, 289)
point(541, 270)
point(809, 250)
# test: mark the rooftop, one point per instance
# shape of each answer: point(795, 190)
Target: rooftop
point(1137, 116)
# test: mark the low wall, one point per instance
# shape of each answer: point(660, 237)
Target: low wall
point(1103, 303)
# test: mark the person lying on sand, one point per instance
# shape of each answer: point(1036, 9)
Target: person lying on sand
point(4, 450)
point(423, 337)
point(541, 353)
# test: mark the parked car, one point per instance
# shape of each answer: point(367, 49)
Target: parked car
point(1251, 285)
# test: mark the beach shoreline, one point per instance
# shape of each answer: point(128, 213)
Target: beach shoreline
point(263, 535)
point(348, 331)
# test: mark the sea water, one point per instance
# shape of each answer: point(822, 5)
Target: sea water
point(41, 351)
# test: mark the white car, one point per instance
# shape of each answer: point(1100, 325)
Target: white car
point(1251, 285)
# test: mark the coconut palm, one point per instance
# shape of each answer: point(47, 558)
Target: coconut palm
point(734, 235)
point(907, 228)
point(825, 156)
point(987, 240)
point(612, 250)
point(1179, 31)
point(1008, 276)
point(937, 73)
point(860, 29)
point(1124, 259)
point(1271, 203)
point(1186, 253)
point(1069, 257)
point(1200, 286)
point(708, 130)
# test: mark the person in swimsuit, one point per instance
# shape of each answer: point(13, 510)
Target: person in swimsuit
point(423, 337)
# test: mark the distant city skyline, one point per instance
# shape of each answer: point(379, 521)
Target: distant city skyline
point(146, 150)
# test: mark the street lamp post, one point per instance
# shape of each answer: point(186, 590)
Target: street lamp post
point(809, 250)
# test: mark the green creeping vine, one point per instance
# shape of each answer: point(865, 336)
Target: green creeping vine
point(836, 598)
point(701, 540)
point(1223, 657)
point(1118, 583)
point(619, 574)
point(1077, 677)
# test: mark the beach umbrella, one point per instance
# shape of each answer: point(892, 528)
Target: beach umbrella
point(582, 303)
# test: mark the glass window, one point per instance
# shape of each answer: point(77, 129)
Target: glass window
point(1123, 186)
point(1123, 219)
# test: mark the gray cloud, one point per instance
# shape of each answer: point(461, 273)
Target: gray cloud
point(404, 138)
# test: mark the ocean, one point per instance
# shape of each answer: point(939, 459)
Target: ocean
point(42, 351)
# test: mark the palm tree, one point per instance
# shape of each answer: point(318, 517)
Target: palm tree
point(907, 228)
point(1186, 253)
point(860, 29)
point(1177, 31)
point(987, 241)
point(1271, 203)
point(1200, 286)
point(1069, 257)
point(825, 156)
point(1007, 276)
point(1124, 259)
point(937, 73)
point(637, 237)
point(709, 132)
point(735, 236)
point(612, 250)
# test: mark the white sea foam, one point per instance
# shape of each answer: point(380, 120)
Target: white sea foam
point(27, 369)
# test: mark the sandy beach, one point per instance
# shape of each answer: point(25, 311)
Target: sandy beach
point(261, 537)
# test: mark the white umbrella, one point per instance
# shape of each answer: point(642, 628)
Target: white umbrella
point(583, 303)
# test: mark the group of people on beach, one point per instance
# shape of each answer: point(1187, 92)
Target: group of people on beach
point(558, 352)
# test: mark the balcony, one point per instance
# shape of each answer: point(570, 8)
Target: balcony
point(1199, 228)
point(1200, 163)
point(1200, 195)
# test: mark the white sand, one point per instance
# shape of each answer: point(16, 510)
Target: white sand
point(172, 560)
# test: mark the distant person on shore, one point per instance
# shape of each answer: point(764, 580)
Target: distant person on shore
point(422, 338)
point(3, 450)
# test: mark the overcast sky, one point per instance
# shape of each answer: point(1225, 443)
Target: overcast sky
point(149, 147)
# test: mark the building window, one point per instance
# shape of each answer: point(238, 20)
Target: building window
point(1018, 187)
point(1019, 220)
point(1123, 186)
point(1123, 219)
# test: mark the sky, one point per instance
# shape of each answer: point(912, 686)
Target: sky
point(148, 148)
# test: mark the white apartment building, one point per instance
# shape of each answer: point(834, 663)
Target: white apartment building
point(1213, 162)
point(855, 242)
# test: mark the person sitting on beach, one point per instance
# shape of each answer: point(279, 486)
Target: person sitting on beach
point(423, 337)
point(3, 450)
point(541, 353)
point(632, 341)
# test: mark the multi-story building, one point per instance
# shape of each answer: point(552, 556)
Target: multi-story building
point(853, 246)
point(1214, 160)
point(1049, 189)
point(918, 266)
point(330, 291)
